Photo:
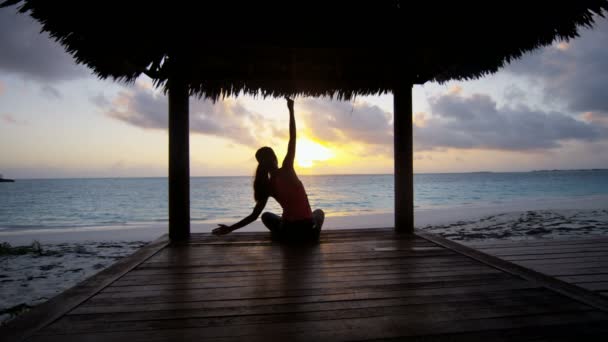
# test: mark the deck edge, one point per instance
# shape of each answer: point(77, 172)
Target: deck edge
point(575, 292)
point(42, 315)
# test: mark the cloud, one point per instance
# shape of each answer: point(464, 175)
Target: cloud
point(597, 118)
point(573, 74)
point(11, 120)
point(454, 121)
point(50, 92)
point(31, 54)
point(227, 119)
point(476, 122)
point(143, 108)
point(514, 94)
point(341, 121)
point(100, 101)
point(2, 88)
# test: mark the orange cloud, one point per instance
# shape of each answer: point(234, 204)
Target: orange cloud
point(420, 119)
point(9, 119)
point(455, 90)
point(595, 118)
point(562, 46)
point(144, 84)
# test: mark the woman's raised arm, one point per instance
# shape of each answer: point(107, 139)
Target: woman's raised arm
point(291, 147)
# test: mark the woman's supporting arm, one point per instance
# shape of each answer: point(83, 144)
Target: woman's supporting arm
point(257, 210)
point(291, 147)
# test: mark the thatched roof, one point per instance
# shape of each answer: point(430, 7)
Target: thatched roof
point(310, 47)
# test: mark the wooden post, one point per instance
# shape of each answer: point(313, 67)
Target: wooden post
point(404, 158)
point(179, 160)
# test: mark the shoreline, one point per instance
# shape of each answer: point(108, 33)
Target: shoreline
point(424, 219)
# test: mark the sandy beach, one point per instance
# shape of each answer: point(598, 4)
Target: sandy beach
point(34, 277)
point(68, 256)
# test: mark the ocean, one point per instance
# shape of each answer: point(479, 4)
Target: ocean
point(49, 203)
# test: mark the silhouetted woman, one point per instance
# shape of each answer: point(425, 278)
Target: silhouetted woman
point(282, 184)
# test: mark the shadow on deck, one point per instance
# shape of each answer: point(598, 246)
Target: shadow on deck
point(353, 285)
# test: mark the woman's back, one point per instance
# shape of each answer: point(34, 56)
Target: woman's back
point(288, 190)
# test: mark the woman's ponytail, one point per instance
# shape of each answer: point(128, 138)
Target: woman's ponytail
point(261, 183)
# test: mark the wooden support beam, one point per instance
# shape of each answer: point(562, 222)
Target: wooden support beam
point(404, 159)
point(179, 160)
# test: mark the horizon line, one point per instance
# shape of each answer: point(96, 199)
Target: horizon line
point(318, 175)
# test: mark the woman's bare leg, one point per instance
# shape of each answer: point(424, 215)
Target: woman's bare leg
point(318, 217)
point(272, 221)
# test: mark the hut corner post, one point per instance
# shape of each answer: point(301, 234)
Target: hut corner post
point(404, 158)
point(179, 160)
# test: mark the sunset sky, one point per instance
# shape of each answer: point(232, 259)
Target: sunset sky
point(548, 110)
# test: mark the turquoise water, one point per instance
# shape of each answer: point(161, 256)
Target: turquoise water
point(95, 202)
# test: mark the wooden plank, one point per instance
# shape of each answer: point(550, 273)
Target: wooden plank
point(567, 262)
point(313, 276)
point(406, 268)
point(324, 238)
point(311, 260)
point(330, 250)
point(302, 282)
point(198, 272)
point(430, 261)
point(548, 245)
point(540, 242)
point(564, 332)
point(154, 280)
point(350, 246)
point(545, 250)
point(583, 263)
point(557, 271)
point(585, 278)
point(574, 255)
point(566, 251)
point(595, 286)
point(329, 236)
point(572, 291)
point(27, 324)
point(295, 287)
point(414, 304)
point(170, 261)
point(406, 297)
point(272, 251)
point(382, 326)
point(364, 292)
point(217, 318)
point(333, 233)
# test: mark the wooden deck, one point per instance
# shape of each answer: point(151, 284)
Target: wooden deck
point(583, 262)
point(353, 285)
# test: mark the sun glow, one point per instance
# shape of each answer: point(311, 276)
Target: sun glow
point(308, 152)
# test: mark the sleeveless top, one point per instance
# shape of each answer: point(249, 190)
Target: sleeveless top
point(289, 192)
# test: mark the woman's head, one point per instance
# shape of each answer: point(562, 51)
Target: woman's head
point(267, 162)
point(266, 157)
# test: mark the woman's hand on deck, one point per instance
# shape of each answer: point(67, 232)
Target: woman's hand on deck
point(222, 230)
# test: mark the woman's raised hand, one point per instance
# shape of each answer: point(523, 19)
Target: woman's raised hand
point(289, 103)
